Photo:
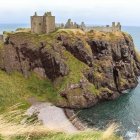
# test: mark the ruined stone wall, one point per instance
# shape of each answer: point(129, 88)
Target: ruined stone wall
point(115, 27)
point(37, 24)
point(103, 29)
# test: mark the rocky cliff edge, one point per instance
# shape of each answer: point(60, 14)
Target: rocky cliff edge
point(83, 68)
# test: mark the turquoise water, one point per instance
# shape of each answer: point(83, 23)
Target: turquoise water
point(124, 111)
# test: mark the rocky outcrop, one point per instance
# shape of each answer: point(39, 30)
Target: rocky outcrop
point(77, 48)
point(24, 56)
point(84, 68)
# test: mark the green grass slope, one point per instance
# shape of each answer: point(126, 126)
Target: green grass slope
point(14, 88)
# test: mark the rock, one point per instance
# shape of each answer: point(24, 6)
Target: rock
point(77, 47)
point(107, 64)
point(26, 57)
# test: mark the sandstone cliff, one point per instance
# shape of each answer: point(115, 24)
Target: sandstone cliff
point(83, 68)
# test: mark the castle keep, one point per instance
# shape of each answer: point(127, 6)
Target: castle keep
point(43, 24)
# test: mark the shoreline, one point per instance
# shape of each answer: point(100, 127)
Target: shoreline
point(56, 118)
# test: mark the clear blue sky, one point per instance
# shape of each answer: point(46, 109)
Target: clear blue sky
point(90, 11)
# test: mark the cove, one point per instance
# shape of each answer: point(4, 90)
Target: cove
point(124, 111)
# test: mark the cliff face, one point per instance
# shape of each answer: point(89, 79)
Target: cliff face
point(84, 68)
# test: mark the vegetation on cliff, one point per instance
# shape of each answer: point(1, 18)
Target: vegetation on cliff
point(15, 91)
point(82, 68)
point(15, 88)
point(70, 68)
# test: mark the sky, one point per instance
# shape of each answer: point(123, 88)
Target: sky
point(95, 12)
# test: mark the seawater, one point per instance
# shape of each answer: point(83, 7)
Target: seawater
point(12, 27)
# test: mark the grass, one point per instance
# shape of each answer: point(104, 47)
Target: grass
point(16, 125)
point(15, 88)
point(23, 30)
point(10, 130)
point(1, 44)
point(108, 36)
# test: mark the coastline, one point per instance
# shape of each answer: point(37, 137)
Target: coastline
point(55, 118)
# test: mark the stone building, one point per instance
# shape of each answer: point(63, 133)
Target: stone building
point(42, 24)
point(83, 26)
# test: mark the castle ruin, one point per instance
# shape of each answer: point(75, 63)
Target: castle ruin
point(43, 24)
point(73, 25)
point(115, 27)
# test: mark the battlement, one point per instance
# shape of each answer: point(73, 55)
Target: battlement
point(42, 24)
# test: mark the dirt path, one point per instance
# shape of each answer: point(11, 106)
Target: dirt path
point(52, 117)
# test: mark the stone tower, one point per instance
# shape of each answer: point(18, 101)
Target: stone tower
point(118, 26)
point(113, 25)
point(42, 24)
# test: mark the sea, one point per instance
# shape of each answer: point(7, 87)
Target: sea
point(125, 111)
point(12, 27)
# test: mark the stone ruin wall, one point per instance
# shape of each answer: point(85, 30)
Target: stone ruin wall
point(115, 27)
point(103, 29)
point(71, 25)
